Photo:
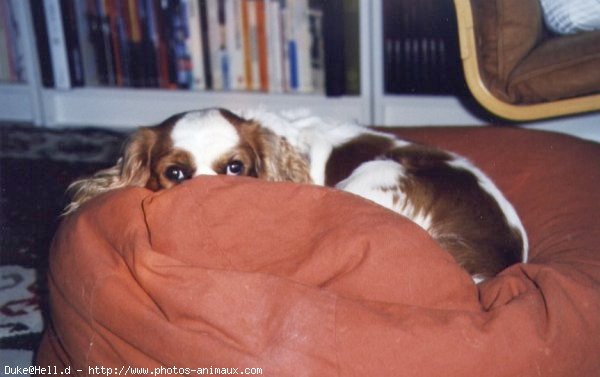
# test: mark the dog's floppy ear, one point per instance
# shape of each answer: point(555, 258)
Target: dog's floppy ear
point(132, 169)
point(279, 160)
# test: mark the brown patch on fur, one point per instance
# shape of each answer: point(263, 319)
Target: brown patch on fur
point(134, 168)
point(267, 155)
point(345, 158)
point(278, 161)
point(466, 220)
point(232, 118)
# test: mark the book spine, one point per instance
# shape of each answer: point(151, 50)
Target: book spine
point(136, 57)
point(333, 39)
point(149, 43)
point(247, 44)
point(88, 55)
point(262, 46)
point(351, 34)
point(253, 40)
point(16, 36)
point(194, 45)
point(206, 56)
point(290, 49)
point(316, 50)
point(214, 44)
point(234, 44)
point(301, 36)
point(180, 36)
point(117, 42)
point(5, 44)
point(160, 12)
point(222, 54)
point(73, 49)
point(105, 42)
point(58, 46)
point(275, 40)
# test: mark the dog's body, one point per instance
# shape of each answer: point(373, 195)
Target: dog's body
point(441, 192)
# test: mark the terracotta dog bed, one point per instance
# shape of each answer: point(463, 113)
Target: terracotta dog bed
point(296, 280)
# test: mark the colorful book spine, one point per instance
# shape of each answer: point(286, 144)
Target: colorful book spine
point(272, 46)
point(248, 73)
point(253, 43)
point(262, 45)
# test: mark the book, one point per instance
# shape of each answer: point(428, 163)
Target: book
point(12, 58)
point(194, 45)
point(5, 48)
point(73, 50)
point(351, 34)
point(206, 53)
point(261, 45)
point(253, 56)
point(42, 43)
point(334, 47)
point(275, 47)
point(317, 58)
point(88, 56)
point(301, 39)
point(215, 43)
point(148, 44)
point(236, 78)
point(57, 44)
point(246, 42)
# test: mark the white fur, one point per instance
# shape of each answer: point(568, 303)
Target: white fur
point(378, 181)
point(206, 135)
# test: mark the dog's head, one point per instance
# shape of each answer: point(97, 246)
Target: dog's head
point(204, 142)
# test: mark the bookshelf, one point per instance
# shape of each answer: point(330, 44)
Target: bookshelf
point(116, 107)
point(129, 107)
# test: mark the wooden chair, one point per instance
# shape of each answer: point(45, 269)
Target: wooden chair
point(519, 71)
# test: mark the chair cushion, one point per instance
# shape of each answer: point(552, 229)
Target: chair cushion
point(559, 68)
point(521, 63)
point(225, 272)
point(506, 31)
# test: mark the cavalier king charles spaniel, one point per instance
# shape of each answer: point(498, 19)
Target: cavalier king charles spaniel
point(443, 193)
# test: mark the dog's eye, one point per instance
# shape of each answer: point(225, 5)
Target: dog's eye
point(235, 167)
point(175, 174)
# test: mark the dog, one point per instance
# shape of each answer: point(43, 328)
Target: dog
point(442, 192)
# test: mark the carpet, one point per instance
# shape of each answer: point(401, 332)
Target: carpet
point(36, 166)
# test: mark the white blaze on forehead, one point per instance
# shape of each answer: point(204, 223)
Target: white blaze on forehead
point(207, 136)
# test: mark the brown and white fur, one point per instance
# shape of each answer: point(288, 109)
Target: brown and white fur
point(443, 193)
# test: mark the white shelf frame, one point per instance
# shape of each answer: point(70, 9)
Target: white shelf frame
point(123, 107)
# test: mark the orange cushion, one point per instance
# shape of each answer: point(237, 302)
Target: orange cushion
point(299, 280)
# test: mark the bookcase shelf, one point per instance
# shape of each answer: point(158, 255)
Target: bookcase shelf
point(17, 102)
point(123, 107)
point(129, 107)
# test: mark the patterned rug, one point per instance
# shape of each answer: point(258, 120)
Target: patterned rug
point(36, 166)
